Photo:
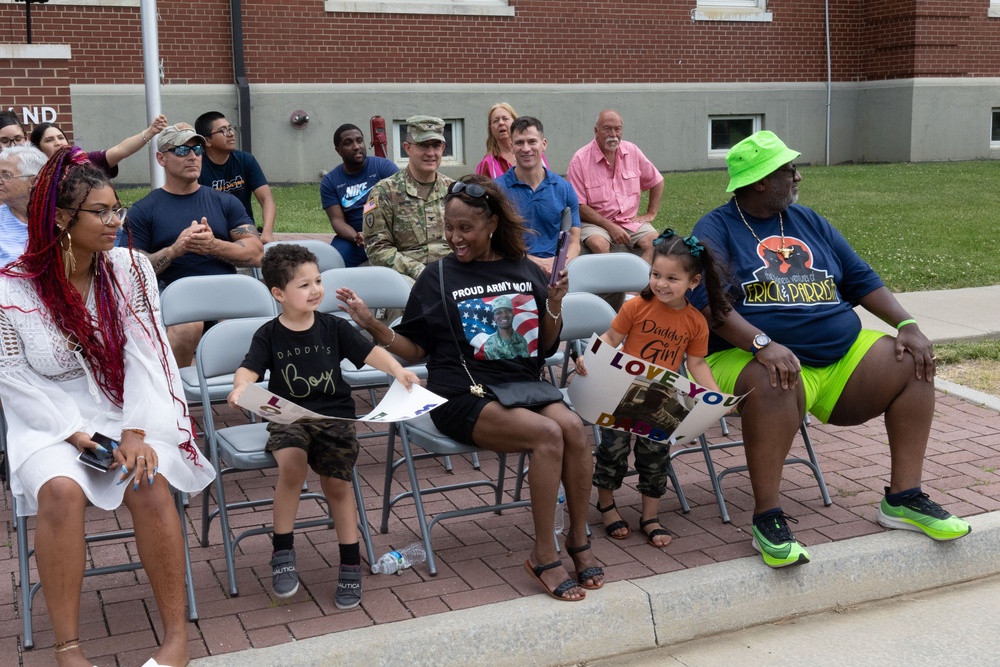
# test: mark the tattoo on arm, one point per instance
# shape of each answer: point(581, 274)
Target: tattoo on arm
point(245, 230)
point(238, 263)
point(160, 259)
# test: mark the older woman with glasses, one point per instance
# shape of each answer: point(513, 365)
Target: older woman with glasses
point(86, 374)
point(452, 312)
point(49, 138)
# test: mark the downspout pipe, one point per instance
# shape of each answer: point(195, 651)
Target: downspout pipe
point(829, 79)
point(151, 77)
point(240, 74)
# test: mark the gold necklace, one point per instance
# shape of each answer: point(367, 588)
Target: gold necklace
point(783, 250)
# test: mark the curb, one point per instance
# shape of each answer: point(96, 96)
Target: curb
point(626, 617)
point(967, 394)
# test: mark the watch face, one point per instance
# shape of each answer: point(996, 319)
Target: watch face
point(761, 340)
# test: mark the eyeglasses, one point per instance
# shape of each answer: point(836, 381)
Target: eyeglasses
point(790, 169)
point(182, 151)
point(471, 189)
point(428, 146)
point(6, 176)
point(12, 141)
point(107, 215)
point(227, 131)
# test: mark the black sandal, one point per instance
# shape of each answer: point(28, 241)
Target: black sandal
point(615, 525)
point(656, 532)
point(587, 573)
point(559, 591)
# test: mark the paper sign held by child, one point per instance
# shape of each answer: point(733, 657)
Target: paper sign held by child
point(624, 392)
point(397, 405)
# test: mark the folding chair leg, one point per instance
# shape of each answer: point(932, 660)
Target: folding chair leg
point(425, 531)
point(366, 534)
point(522, 470)
point(685, 507)
point(23, 555)
point(188, 576)
point(475, 460)
point(447, 463)
point(716, 486)
point(227, 538)
point(390, 456)
point(817, 473)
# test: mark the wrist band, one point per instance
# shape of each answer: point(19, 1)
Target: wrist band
point(555, 316)
point(904, 323)
point(391, 341)
point(141, 433)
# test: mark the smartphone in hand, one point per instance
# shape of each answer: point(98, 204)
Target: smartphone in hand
point(559, 260)
point(97, 459)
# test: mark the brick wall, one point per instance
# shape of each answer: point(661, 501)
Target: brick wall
point(32, 82)
point(548, 41)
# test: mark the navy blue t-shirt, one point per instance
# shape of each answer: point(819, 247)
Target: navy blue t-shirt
point(240, 175)
point(305, 365)
point(805, 302)
point(350, 191)
point(157, 220)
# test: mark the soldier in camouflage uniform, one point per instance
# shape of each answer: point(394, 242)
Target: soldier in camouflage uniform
point(404, 216)
point(506, 343)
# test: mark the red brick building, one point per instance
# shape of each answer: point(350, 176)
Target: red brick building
point(908, 79)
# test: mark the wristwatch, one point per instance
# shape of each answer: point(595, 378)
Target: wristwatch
point(760, 341)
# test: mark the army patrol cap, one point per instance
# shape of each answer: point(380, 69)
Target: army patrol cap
point(425, 128)
point(502, 302)
point(177, 135)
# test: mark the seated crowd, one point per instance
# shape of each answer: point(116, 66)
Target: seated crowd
point(82, 332)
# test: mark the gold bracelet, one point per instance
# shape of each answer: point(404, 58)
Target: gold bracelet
point(139, 431)
point(143, 136)
point(67, 645)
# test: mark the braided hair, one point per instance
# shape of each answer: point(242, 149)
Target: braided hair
point(696, 259)
point(65, 183)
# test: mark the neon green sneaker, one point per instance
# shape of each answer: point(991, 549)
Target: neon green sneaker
point(922, 515)
point(773, 539)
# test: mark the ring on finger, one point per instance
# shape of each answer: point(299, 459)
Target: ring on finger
point(140, 457)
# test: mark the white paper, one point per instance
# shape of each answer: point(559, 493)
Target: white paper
point(398, 404)
point(626, 392)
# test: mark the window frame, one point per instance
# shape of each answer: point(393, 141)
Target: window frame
point(456, 147)
point(439, 7)
point(731, 10)
point(995, 125)
point(757, 119)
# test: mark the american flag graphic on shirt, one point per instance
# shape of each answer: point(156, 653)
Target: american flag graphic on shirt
point(477, 320)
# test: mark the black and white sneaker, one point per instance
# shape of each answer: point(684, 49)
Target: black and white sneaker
point(348, 587)
point(284, 578)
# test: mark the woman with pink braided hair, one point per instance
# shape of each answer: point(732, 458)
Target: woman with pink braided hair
point(83, 354)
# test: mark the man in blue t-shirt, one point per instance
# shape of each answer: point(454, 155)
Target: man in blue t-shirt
point(539, 194)
point(344, 190)
point(189, 230)
point(793, 344)
point(236, 172)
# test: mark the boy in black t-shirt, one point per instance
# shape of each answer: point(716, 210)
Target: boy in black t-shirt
point(303, 350)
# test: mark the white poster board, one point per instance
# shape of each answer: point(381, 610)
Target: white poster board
point(397, 405)
point(625, 392)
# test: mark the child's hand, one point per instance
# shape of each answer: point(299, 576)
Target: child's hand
point(581, 368)
point(355, 307)
point(235, 394)
point(407, 378)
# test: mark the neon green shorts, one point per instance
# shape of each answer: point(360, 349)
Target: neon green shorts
point(822, 386)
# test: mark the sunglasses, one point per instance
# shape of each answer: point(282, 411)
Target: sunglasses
point(182, 151)
point(471, 189)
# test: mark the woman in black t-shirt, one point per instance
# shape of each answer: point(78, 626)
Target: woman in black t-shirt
point(451, 326)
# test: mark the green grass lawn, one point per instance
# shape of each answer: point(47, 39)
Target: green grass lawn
point(921, 226)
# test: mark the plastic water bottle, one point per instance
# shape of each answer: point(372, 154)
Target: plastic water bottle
point(560, 508)
point(397, 561)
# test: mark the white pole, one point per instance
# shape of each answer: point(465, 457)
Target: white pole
point(151, 74)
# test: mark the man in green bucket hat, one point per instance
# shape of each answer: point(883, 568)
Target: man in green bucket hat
point(794, 344)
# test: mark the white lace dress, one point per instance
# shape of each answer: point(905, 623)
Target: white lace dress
point(48, 393)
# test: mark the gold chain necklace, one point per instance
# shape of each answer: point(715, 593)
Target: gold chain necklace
point(783, 250)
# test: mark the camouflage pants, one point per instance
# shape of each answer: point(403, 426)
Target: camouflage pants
point(652, 460)
point(331, 444)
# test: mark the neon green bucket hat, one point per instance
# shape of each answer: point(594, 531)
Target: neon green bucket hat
point(755, 157)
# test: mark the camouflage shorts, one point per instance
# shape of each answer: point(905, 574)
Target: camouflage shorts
point(331, 444)
point(652, 461)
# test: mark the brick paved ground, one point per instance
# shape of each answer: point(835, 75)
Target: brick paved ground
point(480, 557)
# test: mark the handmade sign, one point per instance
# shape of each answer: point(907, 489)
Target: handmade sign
point(397, 405)
point(624, 392)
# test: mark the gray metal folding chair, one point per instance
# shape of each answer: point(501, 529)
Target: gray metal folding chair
point(25, 552)
point(328, 257)
point(212, 298)
point(220, 352)
point(706, 448)
point(609, 275)
point(422, 433)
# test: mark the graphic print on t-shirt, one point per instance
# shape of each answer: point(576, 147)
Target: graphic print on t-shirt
point(791, 281)
point(354, 193)
point(222, 185)
point(502, 326)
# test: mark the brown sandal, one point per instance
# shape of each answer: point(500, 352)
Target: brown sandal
point(559, 591)
point(656, 532)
